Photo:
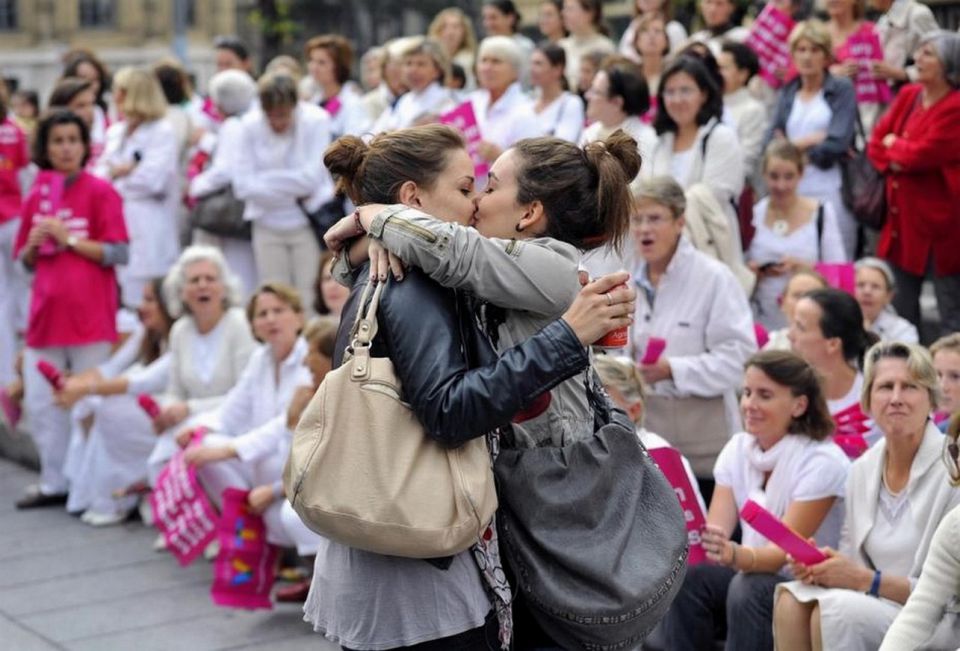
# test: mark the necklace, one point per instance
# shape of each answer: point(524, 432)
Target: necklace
point(781, 220)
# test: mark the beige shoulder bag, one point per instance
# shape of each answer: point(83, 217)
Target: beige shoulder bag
point(363, 473)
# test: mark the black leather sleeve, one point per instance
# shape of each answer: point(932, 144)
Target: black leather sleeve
point(419, 325)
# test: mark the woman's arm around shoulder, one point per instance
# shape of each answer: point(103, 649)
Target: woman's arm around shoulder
point(538, 276)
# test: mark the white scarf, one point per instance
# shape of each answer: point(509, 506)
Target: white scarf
point(780, 461)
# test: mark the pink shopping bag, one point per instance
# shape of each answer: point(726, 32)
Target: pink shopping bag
point(181, 510)
point(246, 566)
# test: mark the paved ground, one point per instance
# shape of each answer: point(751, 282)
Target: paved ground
point(67, 586)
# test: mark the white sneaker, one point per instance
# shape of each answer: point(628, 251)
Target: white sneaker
point(146, 513)
point(103, 519)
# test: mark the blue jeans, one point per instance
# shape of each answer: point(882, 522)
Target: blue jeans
point(717, 602)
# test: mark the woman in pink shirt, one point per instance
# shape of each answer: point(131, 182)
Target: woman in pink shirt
point(72, 234)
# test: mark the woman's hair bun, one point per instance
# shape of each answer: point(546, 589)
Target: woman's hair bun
point(344, 159)
point(623, 147)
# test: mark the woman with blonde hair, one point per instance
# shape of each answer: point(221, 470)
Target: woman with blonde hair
point(896, 496)
point(453, 30)
point(817, 112)
point(425, 70)
point(141, 159)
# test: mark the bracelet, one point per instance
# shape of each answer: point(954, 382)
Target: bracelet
point(875, 585)
point(357, 222)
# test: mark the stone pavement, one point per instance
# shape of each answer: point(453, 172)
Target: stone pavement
point(67, 586)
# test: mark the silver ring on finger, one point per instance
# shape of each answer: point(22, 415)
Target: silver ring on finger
point(609, 300)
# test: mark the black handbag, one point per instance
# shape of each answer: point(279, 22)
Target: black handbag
point(321, 219)
point(594, 534)
point(221, 213)
point(863, 188)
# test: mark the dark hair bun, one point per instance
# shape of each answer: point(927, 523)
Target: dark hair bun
point(344, 159)
point(624, 148)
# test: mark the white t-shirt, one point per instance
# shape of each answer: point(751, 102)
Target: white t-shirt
point(816, 471)
point(680, 164)
point(806, 118)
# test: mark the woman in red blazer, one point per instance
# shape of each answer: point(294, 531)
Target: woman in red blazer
point(917, 146)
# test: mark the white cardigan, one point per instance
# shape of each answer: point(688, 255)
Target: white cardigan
point(235, 347)
point(928, 490)
point(933, 605)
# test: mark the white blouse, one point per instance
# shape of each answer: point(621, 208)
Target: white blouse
point(807, 117)
point(561, 118)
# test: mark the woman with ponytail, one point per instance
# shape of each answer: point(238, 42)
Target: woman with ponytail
point(546, 203)
point(827, 331)
point(455, 385)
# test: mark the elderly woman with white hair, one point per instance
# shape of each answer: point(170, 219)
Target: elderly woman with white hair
point(425, 69)
point(875, 287)
point(234, 93)
point(500, 101)
point(916, 144)
point(896, 496)
point(209, 346)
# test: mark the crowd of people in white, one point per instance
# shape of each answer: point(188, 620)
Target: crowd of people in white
point(158, 241)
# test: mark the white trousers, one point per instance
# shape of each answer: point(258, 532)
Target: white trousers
point(49, 425)
point(291, 257)
point(113, 456)
point(281, 529)
point(14, 301)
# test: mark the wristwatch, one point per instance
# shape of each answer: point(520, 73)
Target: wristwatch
point(72, 242)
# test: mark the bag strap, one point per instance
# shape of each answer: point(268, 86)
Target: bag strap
point(861, 132)
point(820, 232)
point(365, 329)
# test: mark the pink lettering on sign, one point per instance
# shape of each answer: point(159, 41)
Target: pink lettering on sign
point(50, 185)
point(768, 38)
point(864, 48)
point(464, 120)
point(671, 465)
point(181, 510)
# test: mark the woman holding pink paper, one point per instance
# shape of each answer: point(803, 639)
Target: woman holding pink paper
point(72, 247)
point(897, 494)
point(856, 49)
point(784, 461)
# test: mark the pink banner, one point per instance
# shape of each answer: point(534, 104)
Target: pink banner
point(671, 465)
point(768, 38)
point(246, 566)
point(181, 510)
point(865, 48)
point(850, 426)
point(774, 530)
point(463, 119)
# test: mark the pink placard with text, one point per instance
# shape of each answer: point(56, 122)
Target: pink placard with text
point(464, 120)
point(768, 38)
point(181, 510)
point(671, 465)
point(865, 48)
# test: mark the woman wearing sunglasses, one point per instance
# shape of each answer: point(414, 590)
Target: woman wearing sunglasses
point(925, 621)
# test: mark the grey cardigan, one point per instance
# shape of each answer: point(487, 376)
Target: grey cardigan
point(842, 99)
point(535, 281)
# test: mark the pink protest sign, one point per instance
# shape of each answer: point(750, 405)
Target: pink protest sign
point(774, 530)
point(181, 510)
point(671, 465)
point(246, 566)
point(841, 275)
point(655, 348)
point(850, 426)
point(768, 38)
point(464, 120)
point(863, 47)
